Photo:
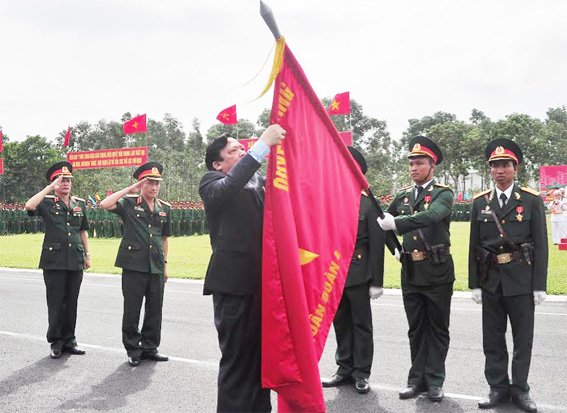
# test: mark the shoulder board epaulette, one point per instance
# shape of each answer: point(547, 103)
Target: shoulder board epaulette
point(132, 195)
point(76, 198)
point(442, 185)
point(164, 202)
point(483, 193)
point(363, 192)
point(50, 196)
point(530, 191)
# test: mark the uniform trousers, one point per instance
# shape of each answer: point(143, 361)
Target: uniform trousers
point(238, 319)
point(135, 287)
point(496, 309)
point(353, 329)
point(428, 310)
point(62, 292)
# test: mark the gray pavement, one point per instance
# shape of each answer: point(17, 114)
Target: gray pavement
point(102, 380)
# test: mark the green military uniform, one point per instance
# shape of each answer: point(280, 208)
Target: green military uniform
point(141, 257)
point(508, 268)
point(427, 271)
point(62, 260)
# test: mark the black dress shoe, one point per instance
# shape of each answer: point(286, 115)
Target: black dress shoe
point(337, 380)
point(410, 391)
point(55, 354)
point(524, 402)
point(134, 361)
point(435, 393)
point(155, 356)
point(362, 385)
point(493, 399)
point(75, 350)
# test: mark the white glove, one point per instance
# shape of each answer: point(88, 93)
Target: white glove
point(375, 292)
point(539, 297)
point(476, 295)
point(397, 254)
point(388, 223)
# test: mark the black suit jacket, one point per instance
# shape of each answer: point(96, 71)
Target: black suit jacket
point(367, 263)
point(234, 205)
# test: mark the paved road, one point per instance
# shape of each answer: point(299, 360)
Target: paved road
point(102, 380)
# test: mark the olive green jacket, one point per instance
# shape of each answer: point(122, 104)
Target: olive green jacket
point(431, 214)
point(62, 245)
point(141, 248)
point(523, 221)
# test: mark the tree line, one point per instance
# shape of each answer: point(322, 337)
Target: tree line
point(182, 153)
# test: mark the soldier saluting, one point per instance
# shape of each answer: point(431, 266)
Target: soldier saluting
point(508, 257)
point(423, 215)
point(64, 255)
point(143, 258)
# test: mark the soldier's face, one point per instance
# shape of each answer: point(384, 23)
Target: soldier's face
point(503, 173)
point(64, 187)
point(230, 154)
point(421, 170)
point(150, 188)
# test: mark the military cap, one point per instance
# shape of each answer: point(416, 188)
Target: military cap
point(422, 146)
point(358, 158)
point(502, 148)
point(150, 170)
point(60, 168)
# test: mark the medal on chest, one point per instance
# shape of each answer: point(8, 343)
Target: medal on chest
point(519, 216)
point(427, 200)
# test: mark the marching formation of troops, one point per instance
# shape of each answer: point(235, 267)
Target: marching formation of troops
point(508, 257)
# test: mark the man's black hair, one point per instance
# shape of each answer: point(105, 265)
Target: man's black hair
point(214, 149)
point(500, 160)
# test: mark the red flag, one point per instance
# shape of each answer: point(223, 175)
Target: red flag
point(247, 143)
point(1, 145)
point(346, 137)
point(136, 125)
point(313, 190)
point(340, 104)
point(1, 166)
point(228, 116)
point(67, 137)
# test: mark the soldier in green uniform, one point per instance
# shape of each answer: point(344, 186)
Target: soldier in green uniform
point(64, 255)
point(353, 320)
point(508, 257)
point(422, 215)
point(143, 258)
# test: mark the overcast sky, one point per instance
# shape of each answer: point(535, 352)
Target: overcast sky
point(66, 61)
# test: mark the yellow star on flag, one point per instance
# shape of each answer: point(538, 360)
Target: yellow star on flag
point(335, 105)
point(135, 125)
point(305, 257)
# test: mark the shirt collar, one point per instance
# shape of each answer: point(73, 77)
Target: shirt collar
point(507, 192)
point(425, 185)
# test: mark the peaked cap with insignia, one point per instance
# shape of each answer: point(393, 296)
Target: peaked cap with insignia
point(359, 158)
point(60, 168)
point(149, 170)
point(422, 146)
point(502, 148)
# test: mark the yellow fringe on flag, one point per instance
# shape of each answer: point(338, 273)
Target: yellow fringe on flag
point(276, 67)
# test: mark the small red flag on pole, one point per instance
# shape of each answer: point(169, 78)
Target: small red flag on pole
point(340, 104)
point(1, 166)
point(67, 137)
point(136, 125)
point(228, 116)
point(1, 146)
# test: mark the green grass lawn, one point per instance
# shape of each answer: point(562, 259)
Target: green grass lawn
point(189, 256)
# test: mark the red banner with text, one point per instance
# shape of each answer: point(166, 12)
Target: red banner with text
point(108, 158)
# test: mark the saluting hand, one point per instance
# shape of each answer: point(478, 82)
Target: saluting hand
point(55, 184)
point(135, 188)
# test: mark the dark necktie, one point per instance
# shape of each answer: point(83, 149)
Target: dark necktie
point(419, 191)
point(503, 198)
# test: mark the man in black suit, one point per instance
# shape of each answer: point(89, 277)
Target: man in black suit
point(233, 194)
point(353, 320)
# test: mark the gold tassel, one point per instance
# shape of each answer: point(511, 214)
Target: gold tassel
point(278, 62)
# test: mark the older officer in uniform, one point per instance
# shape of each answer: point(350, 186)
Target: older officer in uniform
point(143, 258)
point(353, 320)
point(423, 215)
point(233, 193)
point(508, 272)
point(64, 255)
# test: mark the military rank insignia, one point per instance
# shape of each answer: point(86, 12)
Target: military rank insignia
point(427, 199)
point(519, 216)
